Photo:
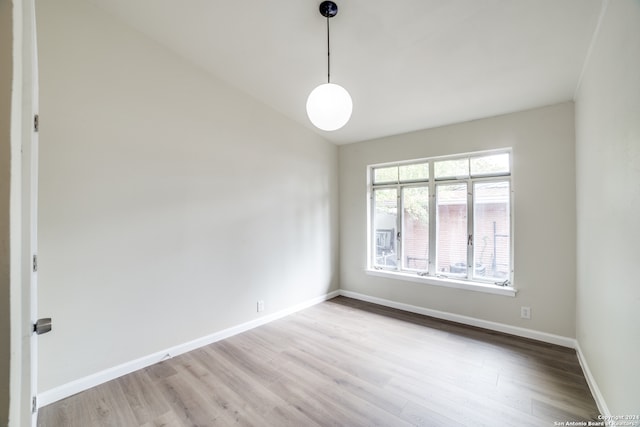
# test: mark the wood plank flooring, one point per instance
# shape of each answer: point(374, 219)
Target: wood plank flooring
point(345, 363)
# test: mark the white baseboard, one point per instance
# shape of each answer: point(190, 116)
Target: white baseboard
point(593, 386)
point(69, 389)
point(472, 321)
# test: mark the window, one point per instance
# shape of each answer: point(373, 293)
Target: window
point(447, 217)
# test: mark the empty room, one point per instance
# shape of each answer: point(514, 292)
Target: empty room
point(308, 213)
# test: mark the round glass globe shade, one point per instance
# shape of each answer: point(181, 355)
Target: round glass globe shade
point(329, 106)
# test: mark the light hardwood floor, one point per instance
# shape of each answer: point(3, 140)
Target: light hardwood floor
point(345, 363)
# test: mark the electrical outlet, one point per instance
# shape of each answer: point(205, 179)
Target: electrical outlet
point(260, 306)
point(525, 312)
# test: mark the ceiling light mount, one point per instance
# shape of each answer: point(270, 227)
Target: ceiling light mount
point(328, 9)
point(329, 105)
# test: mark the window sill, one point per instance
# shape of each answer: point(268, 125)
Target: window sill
point(447, 283)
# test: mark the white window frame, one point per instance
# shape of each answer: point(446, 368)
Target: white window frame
point(432, 277)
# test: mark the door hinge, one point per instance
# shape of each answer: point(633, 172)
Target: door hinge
point(36, 123)
point(42, 326)
point(35, 263)
point(34, 404)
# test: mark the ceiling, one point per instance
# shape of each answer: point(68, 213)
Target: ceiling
point(408, 64)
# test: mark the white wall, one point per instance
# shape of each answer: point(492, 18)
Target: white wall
point(608, 207)
point(169, 202)
point(544, 217)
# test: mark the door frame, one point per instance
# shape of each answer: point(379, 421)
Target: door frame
point(23, 217)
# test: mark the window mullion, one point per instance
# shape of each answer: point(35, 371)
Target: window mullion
point(470, 241)
point(400, 231)
point(432, 222)
point(373, 228)
point(511, 231)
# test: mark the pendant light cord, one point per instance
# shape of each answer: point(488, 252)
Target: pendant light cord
point(328, 54)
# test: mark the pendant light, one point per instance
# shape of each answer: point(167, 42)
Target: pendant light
point(329, 105)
